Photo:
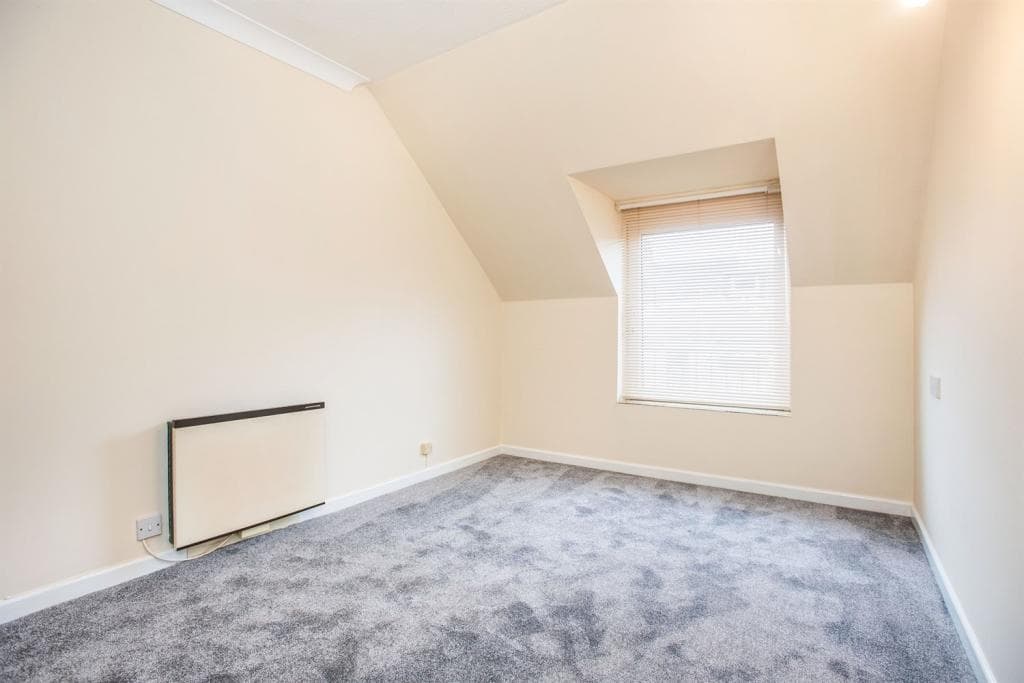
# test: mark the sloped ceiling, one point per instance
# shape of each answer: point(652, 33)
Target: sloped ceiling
point(845, 88)
point(742, 164)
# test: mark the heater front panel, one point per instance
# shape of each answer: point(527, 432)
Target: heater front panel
point(232, 472)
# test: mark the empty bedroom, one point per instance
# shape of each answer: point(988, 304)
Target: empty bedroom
point(510, 340)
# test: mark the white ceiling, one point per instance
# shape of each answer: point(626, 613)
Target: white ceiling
point(377, 38)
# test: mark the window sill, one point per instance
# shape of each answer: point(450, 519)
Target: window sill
point(699, 406)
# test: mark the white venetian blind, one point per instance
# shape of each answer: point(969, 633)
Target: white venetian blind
point(706, 303)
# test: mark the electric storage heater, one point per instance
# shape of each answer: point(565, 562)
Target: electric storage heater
point(227, 473)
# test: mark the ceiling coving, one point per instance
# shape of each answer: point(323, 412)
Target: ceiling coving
point(353, 41)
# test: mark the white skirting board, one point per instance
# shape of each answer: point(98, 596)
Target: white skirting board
point(982, 669)
point(62, 591)
point(363, 495)
point(56, 593)
point(846, 500)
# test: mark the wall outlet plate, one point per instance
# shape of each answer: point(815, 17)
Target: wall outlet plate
point(426, 448)
point(147, 527)
point(935, 386)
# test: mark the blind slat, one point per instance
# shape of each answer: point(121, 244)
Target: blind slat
point(706, 303)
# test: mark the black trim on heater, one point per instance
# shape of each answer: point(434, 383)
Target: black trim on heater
point(170, 481)
point(244, 415)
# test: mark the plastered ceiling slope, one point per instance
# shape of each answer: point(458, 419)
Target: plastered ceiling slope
point(379, 37)
point(722, 167)
point(845, 88)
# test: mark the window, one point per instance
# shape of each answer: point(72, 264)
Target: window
point(705, 314)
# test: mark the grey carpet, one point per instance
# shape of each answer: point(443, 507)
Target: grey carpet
point(518, 569)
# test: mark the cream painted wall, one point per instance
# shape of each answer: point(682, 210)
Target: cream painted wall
point(851, 429)
point(970, 319)
point(188, 227)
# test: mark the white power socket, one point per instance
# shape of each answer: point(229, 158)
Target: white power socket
point(147, 527)
point(426, 448)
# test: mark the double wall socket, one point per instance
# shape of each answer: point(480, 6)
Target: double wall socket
point(147, 527)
